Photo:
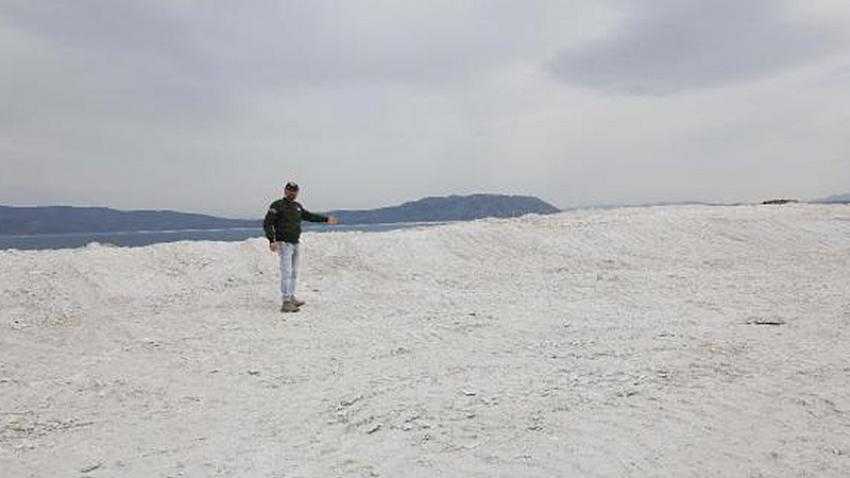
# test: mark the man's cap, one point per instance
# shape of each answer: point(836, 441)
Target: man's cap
point(292, 186)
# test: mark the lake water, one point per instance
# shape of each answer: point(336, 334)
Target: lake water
point(144, 238)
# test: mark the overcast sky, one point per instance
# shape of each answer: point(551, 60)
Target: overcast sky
point(210, 106)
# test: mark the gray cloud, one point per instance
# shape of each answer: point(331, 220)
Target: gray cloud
point(177, 48)
point(669, 46)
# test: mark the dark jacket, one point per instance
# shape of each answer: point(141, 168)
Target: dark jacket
point(283, 221)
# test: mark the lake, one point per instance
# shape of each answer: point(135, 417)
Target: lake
point(144, 238)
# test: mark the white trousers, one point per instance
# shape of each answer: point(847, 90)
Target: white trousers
point(288, 269)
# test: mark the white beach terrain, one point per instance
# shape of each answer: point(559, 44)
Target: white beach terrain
point(665, 341)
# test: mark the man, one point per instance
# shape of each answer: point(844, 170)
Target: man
point(283, 230)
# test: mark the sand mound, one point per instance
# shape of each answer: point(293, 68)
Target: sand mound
point(670, 340)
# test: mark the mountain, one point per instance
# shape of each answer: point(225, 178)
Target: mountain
point(450, 208)
point(68, 219)
point(836, 199)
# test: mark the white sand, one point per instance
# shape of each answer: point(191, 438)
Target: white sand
point(597, 343)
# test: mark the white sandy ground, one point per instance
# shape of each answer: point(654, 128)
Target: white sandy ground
point(591, 343)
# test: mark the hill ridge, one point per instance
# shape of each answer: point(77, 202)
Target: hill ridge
point(31, 220)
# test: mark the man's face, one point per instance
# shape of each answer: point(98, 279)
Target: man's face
point(290, 194)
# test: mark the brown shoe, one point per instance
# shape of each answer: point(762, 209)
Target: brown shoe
point(298, 303)
point(288, 306)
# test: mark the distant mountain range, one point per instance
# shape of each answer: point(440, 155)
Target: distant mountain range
point(69, 219)
point(451, 208)
point(836, 199)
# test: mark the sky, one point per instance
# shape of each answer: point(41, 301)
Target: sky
point(210, 106)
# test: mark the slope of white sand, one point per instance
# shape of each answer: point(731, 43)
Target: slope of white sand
point(594, 343)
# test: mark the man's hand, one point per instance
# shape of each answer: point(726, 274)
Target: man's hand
point(332, 220)
point(274, 246)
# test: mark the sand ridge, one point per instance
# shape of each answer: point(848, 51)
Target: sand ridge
point(672, 341)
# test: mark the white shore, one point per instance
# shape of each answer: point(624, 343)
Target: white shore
point(625, 342)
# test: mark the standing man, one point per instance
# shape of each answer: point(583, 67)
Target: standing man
point(283, 230)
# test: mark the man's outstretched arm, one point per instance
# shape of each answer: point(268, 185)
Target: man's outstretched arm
point(313, 217)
